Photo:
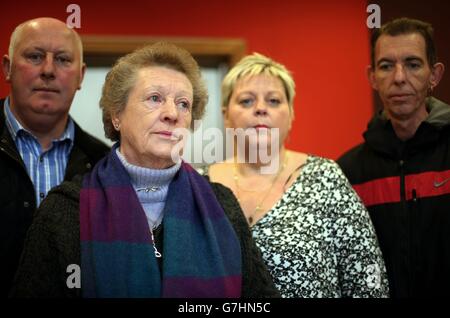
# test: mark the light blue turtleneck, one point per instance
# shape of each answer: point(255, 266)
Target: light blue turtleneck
point(151, 186)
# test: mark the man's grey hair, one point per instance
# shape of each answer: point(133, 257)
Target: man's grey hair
point(15, 36)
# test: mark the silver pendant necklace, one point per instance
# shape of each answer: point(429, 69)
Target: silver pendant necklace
point(157, 253)
point(148, 189)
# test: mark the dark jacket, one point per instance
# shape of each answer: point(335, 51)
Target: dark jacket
point(17, 194)
point(53, 243)
point(406, 188)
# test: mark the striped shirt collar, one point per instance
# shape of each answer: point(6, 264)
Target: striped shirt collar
point(14, 127)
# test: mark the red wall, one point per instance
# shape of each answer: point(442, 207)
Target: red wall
point(324, 44)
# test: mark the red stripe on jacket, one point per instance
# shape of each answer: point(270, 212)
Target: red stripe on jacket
point(387, 190)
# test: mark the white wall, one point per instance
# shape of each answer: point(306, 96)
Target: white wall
point(86, 111)
point(85, 108)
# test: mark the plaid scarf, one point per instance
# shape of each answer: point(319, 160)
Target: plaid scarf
point(201, 252)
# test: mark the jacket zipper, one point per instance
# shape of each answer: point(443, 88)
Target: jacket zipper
point(409, 230)
point(408, 225)
point(5, 149)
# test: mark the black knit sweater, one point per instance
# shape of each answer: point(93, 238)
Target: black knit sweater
point(53, 242)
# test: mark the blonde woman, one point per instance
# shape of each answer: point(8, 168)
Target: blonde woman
point(315, 235)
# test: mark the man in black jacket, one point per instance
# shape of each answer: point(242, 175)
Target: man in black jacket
point(40, 145)
point(402, 170)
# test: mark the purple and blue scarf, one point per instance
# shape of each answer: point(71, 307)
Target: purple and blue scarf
point(201, 252)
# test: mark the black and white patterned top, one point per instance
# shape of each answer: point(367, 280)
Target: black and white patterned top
point(318, 240)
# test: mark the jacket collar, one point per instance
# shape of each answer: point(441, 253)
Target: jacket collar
point(15, 128)
point(381, 137)
point(439, 113)
point(6, 140)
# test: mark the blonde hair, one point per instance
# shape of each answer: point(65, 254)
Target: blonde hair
point(257, 64)
point(122, 78)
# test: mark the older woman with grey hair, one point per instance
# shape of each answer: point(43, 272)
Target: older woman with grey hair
point(141, 224)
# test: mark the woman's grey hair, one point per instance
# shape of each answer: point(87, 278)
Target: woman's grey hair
point(122, 78)
point(257, 64)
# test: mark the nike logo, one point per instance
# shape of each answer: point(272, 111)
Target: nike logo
point(440, 184)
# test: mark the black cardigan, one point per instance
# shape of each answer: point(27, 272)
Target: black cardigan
point(53, 242)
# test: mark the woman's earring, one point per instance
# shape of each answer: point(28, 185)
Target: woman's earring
point(116, 125)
